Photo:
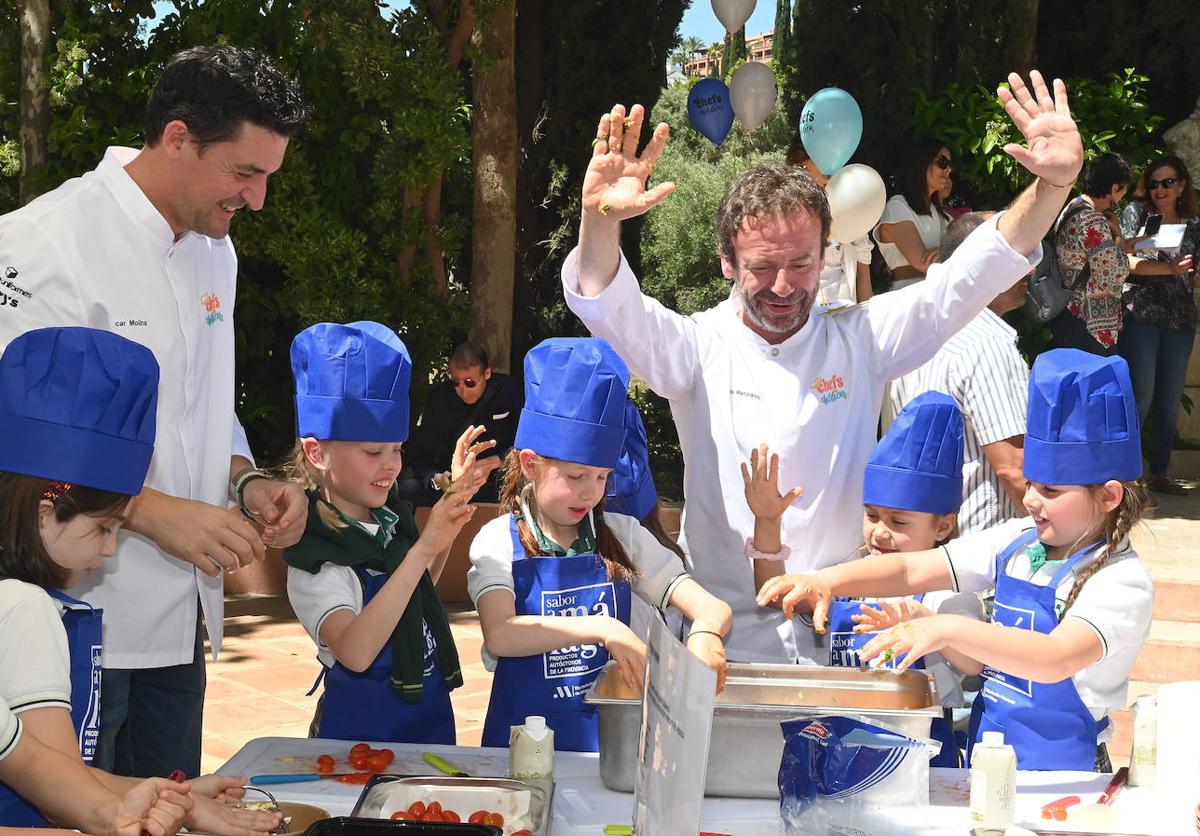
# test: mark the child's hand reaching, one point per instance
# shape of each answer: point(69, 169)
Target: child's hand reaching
point(709, 648)
point(761, 480)
point(786, 591)
point(628, 651)
point(871, 620)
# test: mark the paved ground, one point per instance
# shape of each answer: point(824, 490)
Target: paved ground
point(258, 686)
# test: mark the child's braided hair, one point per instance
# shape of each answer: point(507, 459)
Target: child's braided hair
point(1118, 522)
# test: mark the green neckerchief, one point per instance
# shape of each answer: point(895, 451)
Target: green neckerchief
point(1036, 552)
point(353, 546)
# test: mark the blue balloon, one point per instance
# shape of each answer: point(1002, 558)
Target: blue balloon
point(831, 127)
point(710, 109)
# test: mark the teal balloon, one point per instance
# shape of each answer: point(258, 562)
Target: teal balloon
point(831, 127)
point(710, 109)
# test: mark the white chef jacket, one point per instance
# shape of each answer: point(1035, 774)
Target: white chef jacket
point(814, 398)
point(95, 252)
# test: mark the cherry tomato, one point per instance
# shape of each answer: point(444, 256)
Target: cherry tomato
point(495, 819)
point(451, 816)
point(401, 815)
point(434, 807)
point(360, 747)
point(356, 778)
point(358, 760)
point(432, 816)
point(477, 817)
point(522, 833)
point(386, 753)
point(377, 762)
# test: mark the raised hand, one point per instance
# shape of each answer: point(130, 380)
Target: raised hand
point(1053, 150)
point(614, 186)
point(467, 471)
point(761, 481)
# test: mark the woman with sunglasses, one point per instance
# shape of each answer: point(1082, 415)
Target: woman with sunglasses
point(1160, 318)
point(475, 395)
point(913, 219)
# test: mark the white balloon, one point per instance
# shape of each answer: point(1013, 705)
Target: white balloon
point(856, 199)
point(752, 92)
point(733, 14)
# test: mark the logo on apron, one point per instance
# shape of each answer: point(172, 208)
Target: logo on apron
point(1022, 619)
point(596, 599)
point(89, 729)
point(430, 650)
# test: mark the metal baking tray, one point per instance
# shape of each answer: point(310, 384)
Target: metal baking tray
point(374, 797)
point(746, 743)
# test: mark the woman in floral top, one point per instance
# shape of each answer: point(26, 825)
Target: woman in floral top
point(1160, 323)
point(1094, 267)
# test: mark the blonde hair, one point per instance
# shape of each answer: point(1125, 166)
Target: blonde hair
point(616, 560)
point(296, 468)
point(1132, 509)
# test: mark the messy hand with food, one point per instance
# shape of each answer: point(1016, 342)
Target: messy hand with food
point(210, 815)
point(709, 648)
point(872, 620)
point(786, 592)
point(628, 651)
point(908, 641)
point(468, 471)
point(155, 806)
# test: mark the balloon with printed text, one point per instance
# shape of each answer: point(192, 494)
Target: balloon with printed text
point(856, 199)
point(753, 92)
point(831, 127)
point(710, 109)
point(733, 14)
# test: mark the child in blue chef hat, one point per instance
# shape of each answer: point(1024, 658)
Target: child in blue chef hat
point(552, 578)
point(361, 579)
point(912, 489)
point(1073, 603)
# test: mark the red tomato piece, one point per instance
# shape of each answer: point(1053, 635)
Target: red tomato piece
point(494, 819)
point(377, 762)
point(356, 778)
point(431, 816)
point(434, 807)
point(451, 816)
point(360, 747)
point(358, 760)
point(386, 753)
point(477, 817)
point(401, 815)
point(522, 833)
point(416, 809)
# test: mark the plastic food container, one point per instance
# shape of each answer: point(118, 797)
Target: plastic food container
point(524, 805)
point(344, 826)
point(746, 743)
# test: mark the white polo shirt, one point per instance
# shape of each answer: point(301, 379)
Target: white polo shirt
point(10, 731)
point(95, 252)
point(814, 398)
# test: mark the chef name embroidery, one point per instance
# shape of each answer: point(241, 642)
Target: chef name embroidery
point(212, 308)
point(829, 389)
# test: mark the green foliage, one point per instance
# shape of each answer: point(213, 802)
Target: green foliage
point(1112, 116)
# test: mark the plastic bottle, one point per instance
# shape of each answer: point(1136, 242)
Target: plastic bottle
point(993, 784)
point(531, 750)
point(1144, 757)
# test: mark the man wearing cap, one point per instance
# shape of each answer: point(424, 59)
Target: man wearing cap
point(139, 246)
point(758, 368)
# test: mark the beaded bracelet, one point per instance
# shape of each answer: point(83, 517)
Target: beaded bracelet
point(752, 553)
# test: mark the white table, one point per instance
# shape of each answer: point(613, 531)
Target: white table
point(583, 806)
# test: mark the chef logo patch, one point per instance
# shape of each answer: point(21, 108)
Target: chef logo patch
point(579, 660)
point(212, 308)
point(829, 389)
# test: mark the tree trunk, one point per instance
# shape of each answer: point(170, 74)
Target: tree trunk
point(35, 92)
point(495, 149)
point(1020, 35)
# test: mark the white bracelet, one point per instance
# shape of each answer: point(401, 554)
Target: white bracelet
point(754, 554)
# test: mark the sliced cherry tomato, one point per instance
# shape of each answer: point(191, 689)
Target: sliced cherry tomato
point(477, 817)
point(325, 764)
point(416, 809)
point(451, 816)
point(432, 816)
point(522, 833)
point(386, 753)
point(356, 778)
point(494, 819)
point(377, 762)
point(358, 760)
point(434, 807)
point(360, 747)
point(401, 815)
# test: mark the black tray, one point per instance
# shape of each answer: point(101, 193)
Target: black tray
point(348, 826)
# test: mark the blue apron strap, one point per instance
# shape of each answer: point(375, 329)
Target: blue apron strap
point(1022, 540)
point(1067, 566)
point(71, 603)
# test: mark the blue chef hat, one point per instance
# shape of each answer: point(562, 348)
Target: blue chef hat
point(351, 382)
point(574, 401)
point(917, 465)
point(78, 405)
point(1082, 424)
point(631, 486)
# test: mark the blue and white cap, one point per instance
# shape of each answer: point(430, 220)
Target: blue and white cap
point(1082, 424)
point(351, 382)
point(917, 465)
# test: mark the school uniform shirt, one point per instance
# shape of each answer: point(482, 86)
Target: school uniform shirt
point(981, 368)
point(95, 252)
point(10, 731)
point(1116, 604)
point(814, 398)
point(491, 553)
point(930, 227)
point(35, 662)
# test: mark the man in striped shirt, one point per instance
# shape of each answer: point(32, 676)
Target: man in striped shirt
point(982, 370)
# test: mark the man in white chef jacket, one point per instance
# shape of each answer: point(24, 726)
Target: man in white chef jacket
point(139, 246)
point(767, 366)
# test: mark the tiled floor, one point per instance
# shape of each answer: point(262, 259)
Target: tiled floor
point(258, 686)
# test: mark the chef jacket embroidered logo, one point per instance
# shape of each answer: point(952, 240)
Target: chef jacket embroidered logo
point(1021, 619)
point(212, 307)
point(579, 660)
point(829, 389)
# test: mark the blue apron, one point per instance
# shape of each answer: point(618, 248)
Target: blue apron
point(844, 645)
point(1046, 723)
point(82, 624)
point(553, 684)
point(363, 706)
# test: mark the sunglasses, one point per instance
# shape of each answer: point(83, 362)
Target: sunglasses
point(469, 383)
point(943, 162)
point(1165, 183)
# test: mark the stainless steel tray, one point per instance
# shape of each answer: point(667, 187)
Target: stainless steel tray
point(375, 795)
point(746, 743)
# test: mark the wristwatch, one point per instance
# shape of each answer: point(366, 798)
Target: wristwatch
point(238, 485)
